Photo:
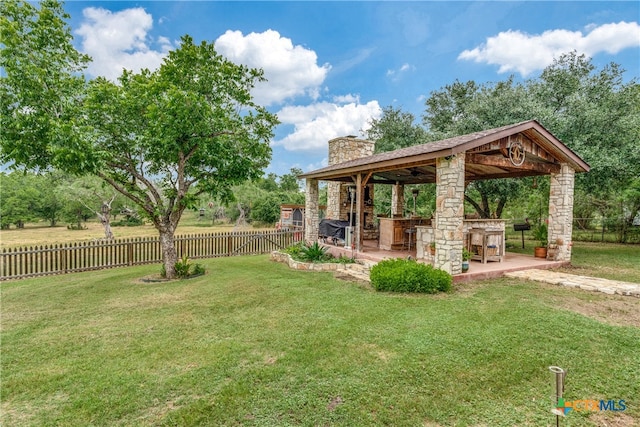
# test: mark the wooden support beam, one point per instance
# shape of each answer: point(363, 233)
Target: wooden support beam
point(500, 162)
point(365, 180)
point(359, 213)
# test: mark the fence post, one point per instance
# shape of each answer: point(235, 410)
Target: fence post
point(63, 258)
point(129, 252)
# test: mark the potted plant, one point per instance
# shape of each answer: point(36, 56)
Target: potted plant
point(432, 248)
point(540, 233)
point(466, 256)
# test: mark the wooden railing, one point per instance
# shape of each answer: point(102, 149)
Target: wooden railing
point(34, 261)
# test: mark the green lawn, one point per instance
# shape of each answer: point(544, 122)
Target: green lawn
point(254, 343)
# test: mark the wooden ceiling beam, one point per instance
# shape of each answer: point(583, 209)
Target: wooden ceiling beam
point(501, 162)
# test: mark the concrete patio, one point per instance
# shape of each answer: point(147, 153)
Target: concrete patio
point(477, 271)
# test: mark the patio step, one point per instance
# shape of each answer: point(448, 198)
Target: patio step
point(360, 270)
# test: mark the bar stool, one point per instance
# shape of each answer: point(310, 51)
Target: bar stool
point(408, 235)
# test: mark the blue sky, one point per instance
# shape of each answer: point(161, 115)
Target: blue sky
point(332, 66)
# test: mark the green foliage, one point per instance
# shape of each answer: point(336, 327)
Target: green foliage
point(400, 275)
point(197, 270)
point(295, 250)
point(314, 253)
point(591, 110)
point(184, 269)
point(183, 266)
point(20, 198)
point(466, 254)
point(76, 227)
point(289, 182)
point(191, 124)
point(130, 221)
point(395, 129)
point(540, 234)
point(343, 259)
point(40, 86)
point(267, 209)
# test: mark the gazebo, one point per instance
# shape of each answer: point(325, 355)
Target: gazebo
point(518, 150)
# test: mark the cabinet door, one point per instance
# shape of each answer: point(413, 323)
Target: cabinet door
point(398, 235)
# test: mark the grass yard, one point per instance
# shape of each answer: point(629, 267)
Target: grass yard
point(254, 343)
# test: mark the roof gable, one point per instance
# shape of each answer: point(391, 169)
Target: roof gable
point(487, 151)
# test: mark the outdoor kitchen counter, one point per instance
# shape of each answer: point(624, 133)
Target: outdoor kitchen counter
point(425, 235)
point(393, 234)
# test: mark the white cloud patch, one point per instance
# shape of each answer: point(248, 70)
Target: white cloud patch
point(344, 99)
point(526, 53)
point(290, 70)
point(315, 124)
point(395, 75)
point(317, 165)
point(120, 40)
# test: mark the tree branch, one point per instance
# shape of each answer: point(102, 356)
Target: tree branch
point(476, 206)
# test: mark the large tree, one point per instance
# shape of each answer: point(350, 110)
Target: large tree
point(40, 85)
point(591, 110)
point(597, 114)
point(189, 128)
point(462, 108)
point(160, 138)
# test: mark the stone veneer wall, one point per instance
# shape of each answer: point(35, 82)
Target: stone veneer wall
point(341, 150)
point(449, 216)
point(424, 237)
point(397, 199)
point(561, 214)
point(311, 214)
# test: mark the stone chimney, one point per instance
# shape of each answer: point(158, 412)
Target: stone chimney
point(343, 149)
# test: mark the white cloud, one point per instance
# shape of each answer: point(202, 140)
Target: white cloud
point(119, 40)
point(315, 124)
point(344, 99)
point(525, 53)
point(317, 165)
point(290, 70)
point(395, 75)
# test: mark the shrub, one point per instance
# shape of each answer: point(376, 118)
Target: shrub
point(314, 253)
point(183, 266)
point(400, 275)
point(130, 221)
point(540, 234)
point(343, 259)
point(184, 269)
point(294, 250)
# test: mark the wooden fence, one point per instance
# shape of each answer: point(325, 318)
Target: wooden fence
point(94, 255)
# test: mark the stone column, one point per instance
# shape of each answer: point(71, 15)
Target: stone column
point(561, 214)
point(448, 226)
point(397, 199)
point(334, 190)
point(311, 211)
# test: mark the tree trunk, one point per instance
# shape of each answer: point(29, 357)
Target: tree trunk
point(169, 253)
point(479, 209)
point(501, 203)
point(106, 223)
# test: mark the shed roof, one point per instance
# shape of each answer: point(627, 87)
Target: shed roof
point(489, 155)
